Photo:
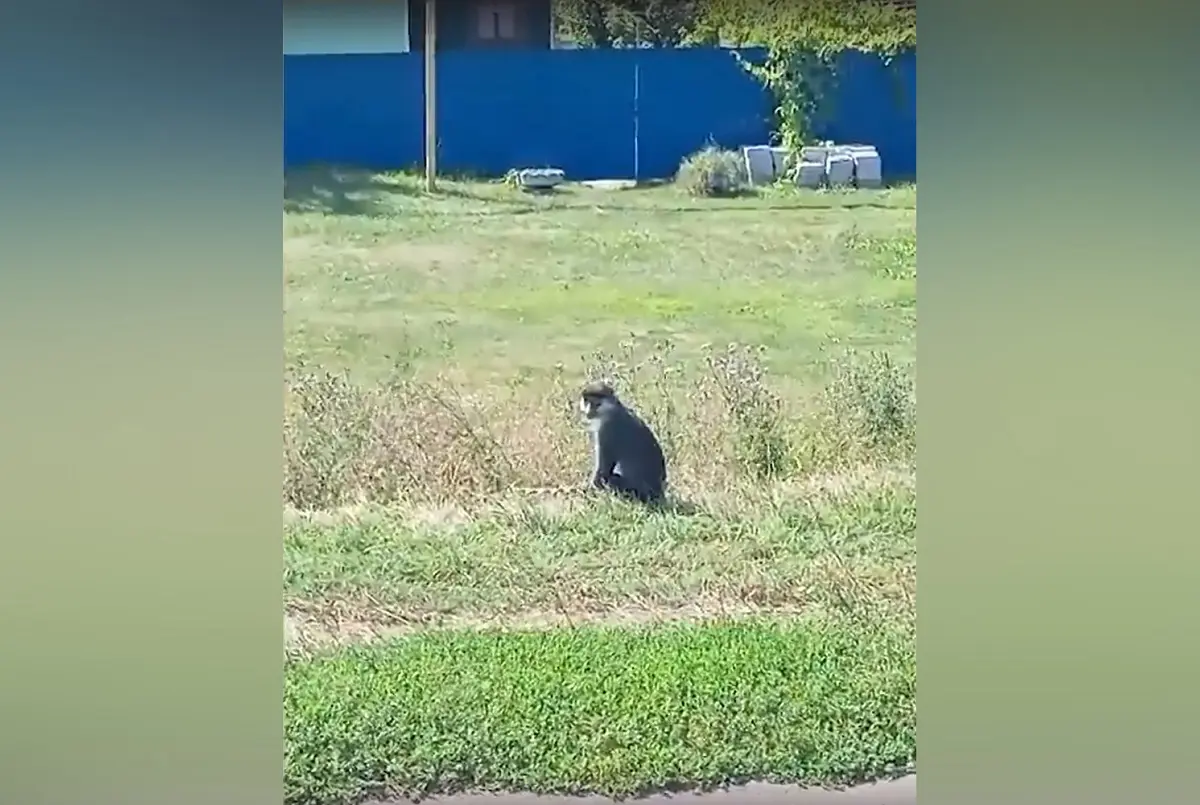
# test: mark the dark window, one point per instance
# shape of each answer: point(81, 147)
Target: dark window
point(496, 22)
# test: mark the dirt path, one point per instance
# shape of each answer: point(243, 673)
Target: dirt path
point(902, 791)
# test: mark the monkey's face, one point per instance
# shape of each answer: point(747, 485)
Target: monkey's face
point(596, 402)
point(593, 406)
point(588, 407)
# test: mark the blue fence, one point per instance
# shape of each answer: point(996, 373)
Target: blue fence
point(593, 113)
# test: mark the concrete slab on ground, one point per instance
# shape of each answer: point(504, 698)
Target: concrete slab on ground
point(611, 184)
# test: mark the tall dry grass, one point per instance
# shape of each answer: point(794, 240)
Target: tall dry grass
point(721, 422)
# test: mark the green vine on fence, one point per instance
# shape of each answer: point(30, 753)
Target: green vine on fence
point(802, 39)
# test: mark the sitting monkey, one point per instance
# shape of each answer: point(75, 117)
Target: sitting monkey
point(628, 457)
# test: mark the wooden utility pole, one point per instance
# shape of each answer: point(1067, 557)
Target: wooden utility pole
point(430, 96)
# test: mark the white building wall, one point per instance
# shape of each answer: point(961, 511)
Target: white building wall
point(344, 26)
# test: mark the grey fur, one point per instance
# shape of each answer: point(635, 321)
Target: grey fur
point(627, 456)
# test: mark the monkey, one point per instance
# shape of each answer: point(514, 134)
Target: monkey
point(627, 456)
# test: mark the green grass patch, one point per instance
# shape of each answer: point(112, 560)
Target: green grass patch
point(610, 711)
point(433, 456)
point(816, 549)
point(492, 281)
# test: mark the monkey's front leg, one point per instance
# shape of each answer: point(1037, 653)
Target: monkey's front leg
point(602, 469)
point(599, 478)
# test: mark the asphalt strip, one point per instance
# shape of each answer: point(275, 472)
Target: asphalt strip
point(901, 791)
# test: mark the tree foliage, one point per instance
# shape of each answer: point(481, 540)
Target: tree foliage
point(802, 39)
point(626, 23)
point(822, 27)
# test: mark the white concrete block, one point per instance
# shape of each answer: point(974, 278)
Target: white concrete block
point(760, 164)
point(839, 169)
point(868, 167)
point(814, 153)
point(780, 157)
point(811, 174)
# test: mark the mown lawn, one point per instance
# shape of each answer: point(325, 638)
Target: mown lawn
point(613, 711)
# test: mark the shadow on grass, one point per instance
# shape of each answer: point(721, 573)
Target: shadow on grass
point(673, 504)
point(338, 191)
point(352, 191)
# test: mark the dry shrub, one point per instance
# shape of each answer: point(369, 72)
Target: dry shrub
point(404, 439)
point(866, 413)
point(712, 171)
point(721, 424)
point(756, 419)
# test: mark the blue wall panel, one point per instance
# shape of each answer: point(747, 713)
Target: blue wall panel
point(876, 104)
point(574, 109)
point(358, 109)
point(570, 109)
point(693, 96)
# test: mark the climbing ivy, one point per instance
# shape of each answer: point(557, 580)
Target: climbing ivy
point(802, 39)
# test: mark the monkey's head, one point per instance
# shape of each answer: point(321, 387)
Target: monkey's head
point(597, 399)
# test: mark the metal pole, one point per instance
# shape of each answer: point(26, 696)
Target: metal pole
point(637, 98)
point(430, 96)
point(637, 122)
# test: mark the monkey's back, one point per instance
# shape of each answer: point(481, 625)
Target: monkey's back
point(649, 462)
